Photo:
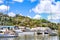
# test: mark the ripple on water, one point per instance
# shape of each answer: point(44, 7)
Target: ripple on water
point(31, 37)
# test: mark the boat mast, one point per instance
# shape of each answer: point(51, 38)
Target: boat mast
point(7, 2)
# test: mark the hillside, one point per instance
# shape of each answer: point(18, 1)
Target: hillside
point(25, 21)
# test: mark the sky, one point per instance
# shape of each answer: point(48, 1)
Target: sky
point(36, 9)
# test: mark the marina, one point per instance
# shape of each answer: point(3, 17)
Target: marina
point(29, 19)
point(14, 31)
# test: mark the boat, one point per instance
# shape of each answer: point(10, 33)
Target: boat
point(38, 33)
point(7, 34)
point(53, 33)
point(46, 32)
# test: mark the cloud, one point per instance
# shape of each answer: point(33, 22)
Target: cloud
point(54, 18)
point(20, 14)
point(32, 0)
point(29, 16)
point(11, 14)
point(1, 1)
point(48, 6)
point(37, 17)
point(45, 6)
point(18, 0)
point(3, 8)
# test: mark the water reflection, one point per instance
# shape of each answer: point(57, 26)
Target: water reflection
point(7, 38)
point(54, 38)
point(30, 37)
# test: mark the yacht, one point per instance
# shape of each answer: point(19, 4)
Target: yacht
point(7, 34)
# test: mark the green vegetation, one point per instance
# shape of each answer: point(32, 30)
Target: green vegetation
point(26, 21)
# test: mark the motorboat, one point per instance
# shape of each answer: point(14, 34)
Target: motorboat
point(7, 34)
point(53, 33)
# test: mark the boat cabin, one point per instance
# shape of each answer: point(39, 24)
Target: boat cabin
point(8, 27)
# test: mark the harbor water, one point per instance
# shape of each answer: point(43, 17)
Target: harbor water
point(32, 37)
